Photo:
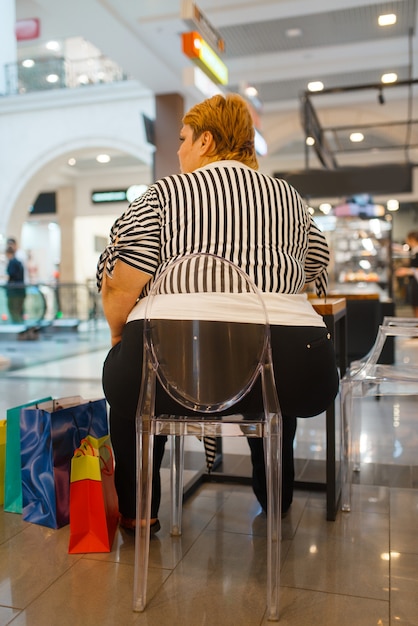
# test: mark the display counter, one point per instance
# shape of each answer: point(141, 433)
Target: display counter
point(367, 305)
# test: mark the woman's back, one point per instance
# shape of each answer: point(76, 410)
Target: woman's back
point(228, 209)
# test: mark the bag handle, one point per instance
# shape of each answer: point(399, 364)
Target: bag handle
point(82, 449)
point(87, 449)
point(107, 467)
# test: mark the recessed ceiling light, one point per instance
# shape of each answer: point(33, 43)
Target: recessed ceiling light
point(325, 207)
point(52, 78)
point(356, 137)
point(103, 158)
point(310, 141)
point(72, 161)
point(315, 85)
point(392, 204)
point(390, 77)
point(293, 32)
point(28, 63)
point(251, 92)
point(387, 20)
point(53, 45)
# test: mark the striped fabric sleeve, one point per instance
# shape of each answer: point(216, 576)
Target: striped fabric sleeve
point(134, 238)
point(317, 260)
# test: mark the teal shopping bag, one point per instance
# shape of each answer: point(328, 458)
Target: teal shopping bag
point(12, 470)
point(2, 457)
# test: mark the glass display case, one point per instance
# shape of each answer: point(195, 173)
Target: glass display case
point(361, 253)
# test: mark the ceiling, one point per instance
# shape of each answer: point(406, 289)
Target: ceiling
point(278, 47)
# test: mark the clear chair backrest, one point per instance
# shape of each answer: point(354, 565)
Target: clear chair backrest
point(406, 322)
point(205, 355)
point(403, 328)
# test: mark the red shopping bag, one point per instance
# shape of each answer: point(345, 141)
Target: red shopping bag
point(94, 511)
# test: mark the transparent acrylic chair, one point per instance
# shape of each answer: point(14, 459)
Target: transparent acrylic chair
point(368, 378)
point(212, 366)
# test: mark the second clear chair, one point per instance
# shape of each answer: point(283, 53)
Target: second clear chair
point(368, 378)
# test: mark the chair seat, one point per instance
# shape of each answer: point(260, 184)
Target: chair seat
point(221, 427)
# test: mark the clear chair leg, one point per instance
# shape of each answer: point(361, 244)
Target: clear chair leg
point(176, 483)
point(145, 447)
point(347, 446)
point(273, 449)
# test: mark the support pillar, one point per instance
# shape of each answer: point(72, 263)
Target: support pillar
point(169, 110)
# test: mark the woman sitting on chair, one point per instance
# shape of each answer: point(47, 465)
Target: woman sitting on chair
point(258, 222)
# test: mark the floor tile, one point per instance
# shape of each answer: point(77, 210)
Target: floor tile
point(300, 607)
point(403, 593)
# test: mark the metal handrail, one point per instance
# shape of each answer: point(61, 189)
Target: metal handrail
point(45, 74)
point(45, 302)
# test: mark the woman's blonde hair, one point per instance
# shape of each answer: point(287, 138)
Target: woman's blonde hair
point(229, 120)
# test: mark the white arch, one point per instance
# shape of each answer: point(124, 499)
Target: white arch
point(42, 128)
point(30, 182)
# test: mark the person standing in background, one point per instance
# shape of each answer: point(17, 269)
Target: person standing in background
point(19, 254)
point(15, 286)
point(411, 271)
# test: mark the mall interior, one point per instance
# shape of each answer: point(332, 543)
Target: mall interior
point(91, 100)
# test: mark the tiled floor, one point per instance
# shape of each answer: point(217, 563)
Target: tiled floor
point(361, 570)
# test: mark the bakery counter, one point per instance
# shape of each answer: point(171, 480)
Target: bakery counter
point(367, 305)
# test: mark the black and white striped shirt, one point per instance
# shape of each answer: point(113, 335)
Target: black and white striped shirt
point(258, 222)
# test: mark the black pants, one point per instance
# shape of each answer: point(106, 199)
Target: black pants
point(306, 379)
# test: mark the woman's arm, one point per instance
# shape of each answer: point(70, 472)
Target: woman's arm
point(119, 295)
point(317, 259)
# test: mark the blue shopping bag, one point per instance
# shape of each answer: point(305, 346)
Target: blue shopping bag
point(12, 469)
point(49, 435)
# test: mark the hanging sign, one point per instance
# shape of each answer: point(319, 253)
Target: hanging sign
point(27, 29)
point(196, 48)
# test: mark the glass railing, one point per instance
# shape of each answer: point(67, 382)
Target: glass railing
point(30, 305)
point(44, 74)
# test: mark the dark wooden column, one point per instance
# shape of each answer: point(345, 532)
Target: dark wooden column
point(169, 111)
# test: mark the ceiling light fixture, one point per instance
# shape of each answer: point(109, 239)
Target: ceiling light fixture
point(103, 158)
point(28, 63)
point(387, 20)
point(356, 137)
point(315, 85)
point(52, 78)
point(251, 92)
point(53, 45)
point(293, 32)
point(392, 204)
point(325, 207)
point(72, 161)
point(310, 141)
point(390, 77)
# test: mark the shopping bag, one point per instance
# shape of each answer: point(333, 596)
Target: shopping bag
point(13, 470)
point(49, 435)
point(2, 457)
point(94, 510)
